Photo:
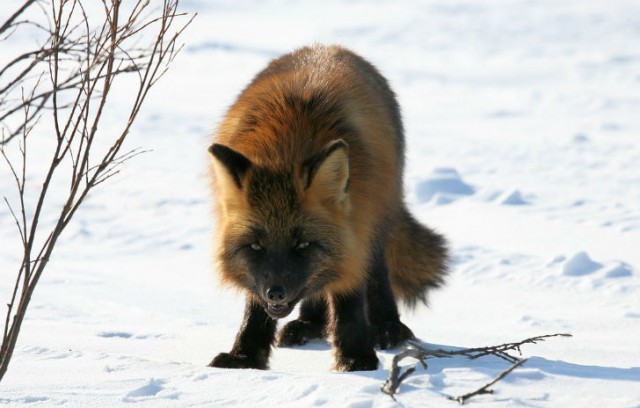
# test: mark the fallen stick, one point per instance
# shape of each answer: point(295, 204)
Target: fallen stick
point(485, 388)
point(416, 350)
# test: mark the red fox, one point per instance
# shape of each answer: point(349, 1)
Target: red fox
point(307, 172)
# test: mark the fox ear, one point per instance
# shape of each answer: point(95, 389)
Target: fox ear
point(326, 174)
point(229, 165)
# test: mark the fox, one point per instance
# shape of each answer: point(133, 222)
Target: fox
point(307, 173)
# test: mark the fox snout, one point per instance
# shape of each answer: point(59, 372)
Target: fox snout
point(276, 294)
point(278, 302)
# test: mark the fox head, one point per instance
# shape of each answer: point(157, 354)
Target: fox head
point(281, 231)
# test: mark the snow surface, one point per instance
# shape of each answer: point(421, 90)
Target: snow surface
point(524, 102)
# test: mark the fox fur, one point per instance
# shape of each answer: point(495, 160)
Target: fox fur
point(307, 170)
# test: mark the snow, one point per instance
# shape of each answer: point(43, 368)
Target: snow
point(522, 148)
point(511, 197)
point(580, 264)
point(443, 185)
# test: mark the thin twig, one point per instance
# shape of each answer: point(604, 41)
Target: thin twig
point(10, 21)
point(395, 376)
point(461, 399)
point(416, 350)
point(500, 351)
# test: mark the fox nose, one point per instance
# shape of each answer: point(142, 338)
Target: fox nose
point(276, 294)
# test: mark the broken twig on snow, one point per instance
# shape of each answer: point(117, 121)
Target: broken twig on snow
point(485, 388)
point(416, 350)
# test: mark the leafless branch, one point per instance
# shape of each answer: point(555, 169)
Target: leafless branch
point(82, 60)
point(11, 21)
point(396, 375)
point(70, 41)
point(416, 350)
point(485, 389)
point(500, 351)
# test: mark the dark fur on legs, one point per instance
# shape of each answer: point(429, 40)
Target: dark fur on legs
point(382, 311)
point(352, 343)
point(253, 342)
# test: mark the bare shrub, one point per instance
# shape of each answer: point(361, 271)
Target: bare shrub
point(61, 89)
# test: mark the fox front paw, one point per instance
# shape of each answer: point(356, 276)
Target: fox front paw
point(361, 362)
point(299, 332)
point(229, 360)
point(390, 334)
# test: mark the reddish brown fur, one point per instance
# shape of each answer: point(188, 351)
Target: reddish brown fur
point(282, 141)
point(262, 127)
point(322, 133)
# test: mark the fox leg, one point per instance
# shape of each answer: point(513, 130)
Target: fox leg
point(253, 342)
point(387, 329)
point(310, 324)
point(352, 343)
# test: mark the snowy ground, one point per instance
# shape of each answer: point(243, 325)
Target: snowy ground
point(523, 149)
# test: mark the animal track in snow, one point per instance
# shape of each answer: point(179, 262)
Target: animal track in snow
point(618, 270)
point(151, 389)
point(116, 334)
point(128, 335)
point(580, 264)
point(511, 197)
point(28, 399)
point(442, 186)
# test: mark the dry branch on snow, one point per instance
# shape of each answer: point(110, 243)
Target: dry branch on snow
point(416, 350)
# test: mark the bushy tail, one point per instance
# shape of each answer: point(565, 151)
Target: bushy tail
point(416, 257)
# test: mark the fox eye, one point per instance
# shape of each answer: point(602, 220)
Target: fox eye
point(256, 247)
point(302, 245)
